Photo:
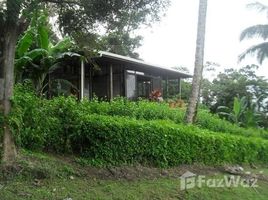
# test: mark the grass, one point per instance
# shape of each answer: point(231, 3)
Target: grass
point(43, 176)
point(83, 188)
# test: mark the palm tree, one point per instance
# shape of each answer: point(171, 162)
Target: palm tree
point(256, 31)
point(199, 59)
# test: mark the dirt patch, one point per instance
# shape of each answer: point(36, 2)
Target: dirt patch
point(141, 172)
point(49, 166)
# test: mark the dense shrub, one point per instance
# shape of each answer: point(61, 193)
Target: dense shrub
point(129, 132)
point(155, 111)
point(138, 110)
point(31, 119)
point(119, 140)
point(212, 122)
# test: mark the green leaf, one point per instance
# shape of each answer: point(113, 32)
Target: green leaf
point(62, 45)
point(25, 42)
point(36, 53)
point(68, 54)
point(21, 62)
point(43, 37)
point(54, 67)
point(237, 107)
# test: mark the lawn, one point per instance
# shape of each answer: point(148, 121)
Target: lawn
point(42, 176)
point(163, 188)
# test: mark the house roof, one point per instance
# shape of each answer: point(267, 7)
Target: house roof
point(163, 70)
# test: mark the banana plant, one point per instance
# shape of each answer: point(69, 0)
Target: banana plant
point(236, 113)
point(243, 113)
point(37, 56)
point(252, 116)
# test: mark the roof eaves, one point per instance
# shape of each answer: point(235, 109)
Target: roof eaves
point(136, 61)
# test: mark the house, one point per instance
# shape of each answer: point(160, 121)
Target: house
point(117, 75)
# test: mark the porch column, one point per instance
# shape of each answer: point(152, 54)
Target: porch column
point(111, 83)
point(179, 86)
point(90, 84)
point(166, 87)
point(82, 80)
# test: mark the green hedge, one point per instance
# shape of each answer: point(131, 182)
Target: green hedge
point(138, 110)
point(128, 132)
point(212, 122)
point(26, 101)
point(155, 111)
point(118, 140)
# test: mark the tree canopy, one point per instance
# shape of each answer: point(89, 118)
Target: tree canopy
point(235, 83)
point(106, 24)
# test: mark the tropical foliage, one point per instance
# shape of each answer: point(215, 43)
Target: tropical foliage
point(123, 132)
point(239, 108)
point(256, 31)
point(238, 83)
point(38, 57)
point(243, 112)
point(79, 17)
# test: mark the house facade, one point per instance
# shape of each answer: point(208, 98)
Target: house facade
point(114, 75)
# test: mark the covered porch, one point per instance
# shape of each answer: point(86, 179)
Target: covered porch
point(117, 75)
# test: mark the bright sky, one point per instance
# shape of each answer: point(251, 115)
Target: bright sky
point(172, 41)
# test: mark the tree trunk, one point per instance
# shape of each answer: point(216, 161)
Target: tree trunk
point(1, 69)
point(199, 59)
point(9, 150)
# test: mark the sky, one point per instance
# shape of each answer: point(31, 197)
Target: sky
point(171, 42)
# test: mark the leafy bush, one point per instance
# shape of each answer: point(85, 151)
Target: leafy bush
point(137, 110)
point(213, 122)
point(129, 132)
point(117, 140)
point(161, 111)
point(31, 119)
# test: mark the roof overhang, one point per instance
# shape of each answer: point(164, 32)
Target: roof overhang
point(135, 64)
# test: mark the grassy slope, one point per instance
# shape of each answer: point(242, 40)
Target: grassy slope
point(107, 189)
point(45, 177)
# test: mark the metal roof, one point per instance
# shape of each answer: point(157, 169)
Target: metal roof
point(117, 57)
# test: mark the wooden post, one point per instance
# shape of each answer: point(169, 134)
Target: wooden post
point(90, 83)
point(111, 82)
point(82, 80)
point(179, 85)
point(166, 87)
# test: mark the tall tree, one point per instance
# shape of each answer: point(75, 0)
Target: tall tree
point(74, 16)
point(237, 83)
point(199, 61)
point(10, 35)
point(118, 22)
point(256, 31)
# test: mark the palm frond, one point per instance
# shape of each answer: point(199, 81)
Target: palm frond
point(259, 31)
point(260, 50)
point(258, 6)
